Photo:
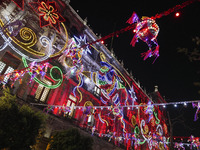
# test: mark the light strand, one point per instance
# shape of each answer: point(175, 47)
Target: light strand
point(127, 106)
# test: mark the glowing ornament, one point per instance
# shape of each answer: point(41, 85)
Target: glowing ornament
point(146, 30)
point(177, 14)
point(48, 13)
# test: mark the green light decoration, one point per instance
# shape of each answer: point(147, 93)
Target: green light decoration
point(156, 116)
point(59, 81)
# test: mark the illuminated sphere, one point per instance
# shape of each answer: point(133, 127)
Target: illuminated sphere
point(147, 29)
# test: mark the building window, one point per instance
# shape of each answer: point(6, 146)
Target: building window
point(2, 66)
point(42, 92)
point(8, 70)
point(97, 91)
point(8, 64)
point(71, 102)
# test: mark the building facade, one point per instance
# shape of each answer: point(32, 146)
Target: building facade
point(59, 65)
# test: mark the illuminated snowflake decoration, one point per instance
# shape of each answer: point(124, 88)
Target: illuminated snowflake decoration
point(82, 42)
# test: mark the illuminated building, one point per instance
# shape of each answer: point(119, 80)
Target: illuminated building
point(83, 81)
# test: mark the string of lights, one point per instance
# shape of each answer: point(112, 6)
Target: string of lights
point(175, 104)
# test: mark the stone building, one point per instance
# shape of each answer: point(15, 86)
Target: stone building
point(70, 73)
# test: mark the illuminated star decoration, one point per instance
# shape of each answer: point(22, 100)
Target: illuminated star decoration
point(48, 13)
point(19, 3)
point(82, 42)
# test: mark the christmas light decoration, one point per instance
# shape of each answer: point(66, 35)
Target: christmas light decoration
point(33, 76)
point(122, 110)
point(177, 14)
point(82, 42)
point(48, 13)
point(197, 111)
point(146, 30)
point(179, 146)
point(142, 105)
point(28, 35)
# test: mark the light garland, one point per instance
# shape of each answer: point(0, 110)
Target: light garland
point(130, 106)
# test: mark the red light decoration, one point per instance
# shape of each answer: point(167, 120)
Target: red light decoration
point(19, 3)
point(48, 13)
point(177, 14)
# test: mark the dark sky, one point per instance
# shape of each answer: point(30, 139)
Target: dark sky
point(172, 71)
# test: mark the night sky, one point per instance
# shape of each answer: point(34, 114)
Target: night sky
point(172, 71)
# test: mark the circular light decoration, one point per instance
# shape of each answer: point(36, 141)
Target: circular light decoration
point(89, 104)
point(116, 110)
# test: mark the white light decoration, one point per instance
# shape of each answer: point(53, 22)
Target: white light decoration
point(44, 41)
point(82, 41)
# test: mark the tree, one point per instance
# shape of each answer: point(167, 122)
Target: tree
point(70, 140)
point(19, 125)
point(193, 55)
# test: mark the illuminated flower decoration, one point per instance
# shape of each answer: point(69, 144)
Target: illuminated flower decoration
point(116, 111)
point(19, 3)
point(48, 12)
point(146, 30)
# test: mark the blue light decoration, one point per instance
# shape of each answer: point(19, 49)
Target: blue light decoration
point(82, 42)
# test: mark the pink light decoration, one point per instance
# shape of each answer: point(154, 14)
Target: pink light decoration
point(146, 30)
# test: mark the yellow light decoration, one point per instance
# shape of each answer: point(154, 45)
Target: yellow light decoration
point(146, 130)
point(103, 119)
point(89, 103)
point(30, 37)
point(133, 120)
point(81, 96)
